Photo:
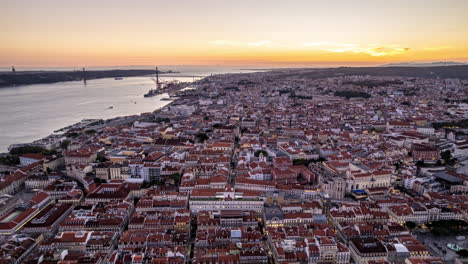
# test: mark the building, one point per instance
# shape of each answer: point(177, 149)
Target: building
point(425, 153)
point(364, 250)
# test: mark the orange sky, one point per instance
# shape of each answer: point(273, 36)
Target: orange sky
point(261, 32)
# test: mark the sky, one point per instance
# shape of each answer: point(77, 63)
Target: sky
point(64, 33)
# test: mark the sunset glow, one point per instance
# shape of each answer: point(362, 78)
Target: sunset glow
point(209, 32)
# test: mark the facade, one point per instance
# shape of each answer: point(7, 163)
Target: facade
point(425, 153)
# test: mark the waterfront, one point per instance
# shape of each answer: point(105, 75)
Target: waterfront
point(35, 111)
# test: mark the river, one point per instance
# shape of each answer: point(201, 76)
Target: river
point(35, 111)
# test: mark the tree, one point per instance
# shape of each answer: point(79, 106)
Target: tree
point(162, 119)
point(64, 144)
point(99, 180)
point(72, 134)
point(300, 177)
point(397, 165)
point(301, 162)
point(463, 253)
point(26, 149)
point(352, 94)
point(32, 149)
point(306, 162)
point(448, 227)
point(9, 160)
point(257, 153)
point(176, 178)
point(446, 156)
point(410, 225)
point(202, 137)
point(100, 158)
point(461, 123)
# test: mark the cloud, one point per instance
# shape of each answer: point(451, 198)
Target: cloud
point(373, 50)
point(385, 51)
point(335, 47)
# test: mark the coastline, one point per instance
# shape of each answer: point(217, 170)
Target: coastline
point(105, 121)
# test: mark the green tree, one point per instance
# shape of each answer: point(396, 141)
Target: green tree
point(72, 134)
point(32, 149)
point(461, 123)
point(257, 153)
point(101, 158)
point(300, 177)
point(176, 178)
point(446, 156)
point(9, 160)
point(411, 225)
point(448, 227)
point(202, 137)
point(352, 94)
point(306, 162)
point(99, 180)
point(397, 165)
point(463, 253)
point(301, 162)
point(64, 144)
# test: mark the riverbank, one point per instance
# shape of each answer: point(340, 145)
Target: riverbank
point(30, 112)
point(35, 111)
point(92, 125)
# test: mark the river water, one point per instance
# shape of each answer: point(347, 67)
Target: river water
point(31, 112)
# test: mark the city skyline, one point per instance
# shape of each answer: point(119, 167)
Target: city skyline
point(264, 33)
point(234, 132)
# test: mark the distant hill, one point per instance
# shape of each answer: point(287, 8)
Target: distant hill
point(428, 64)
point(445, 72)
point(40, 77)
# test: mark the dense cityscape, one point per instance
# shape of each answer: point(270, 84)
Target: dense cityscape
point(264, 167)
